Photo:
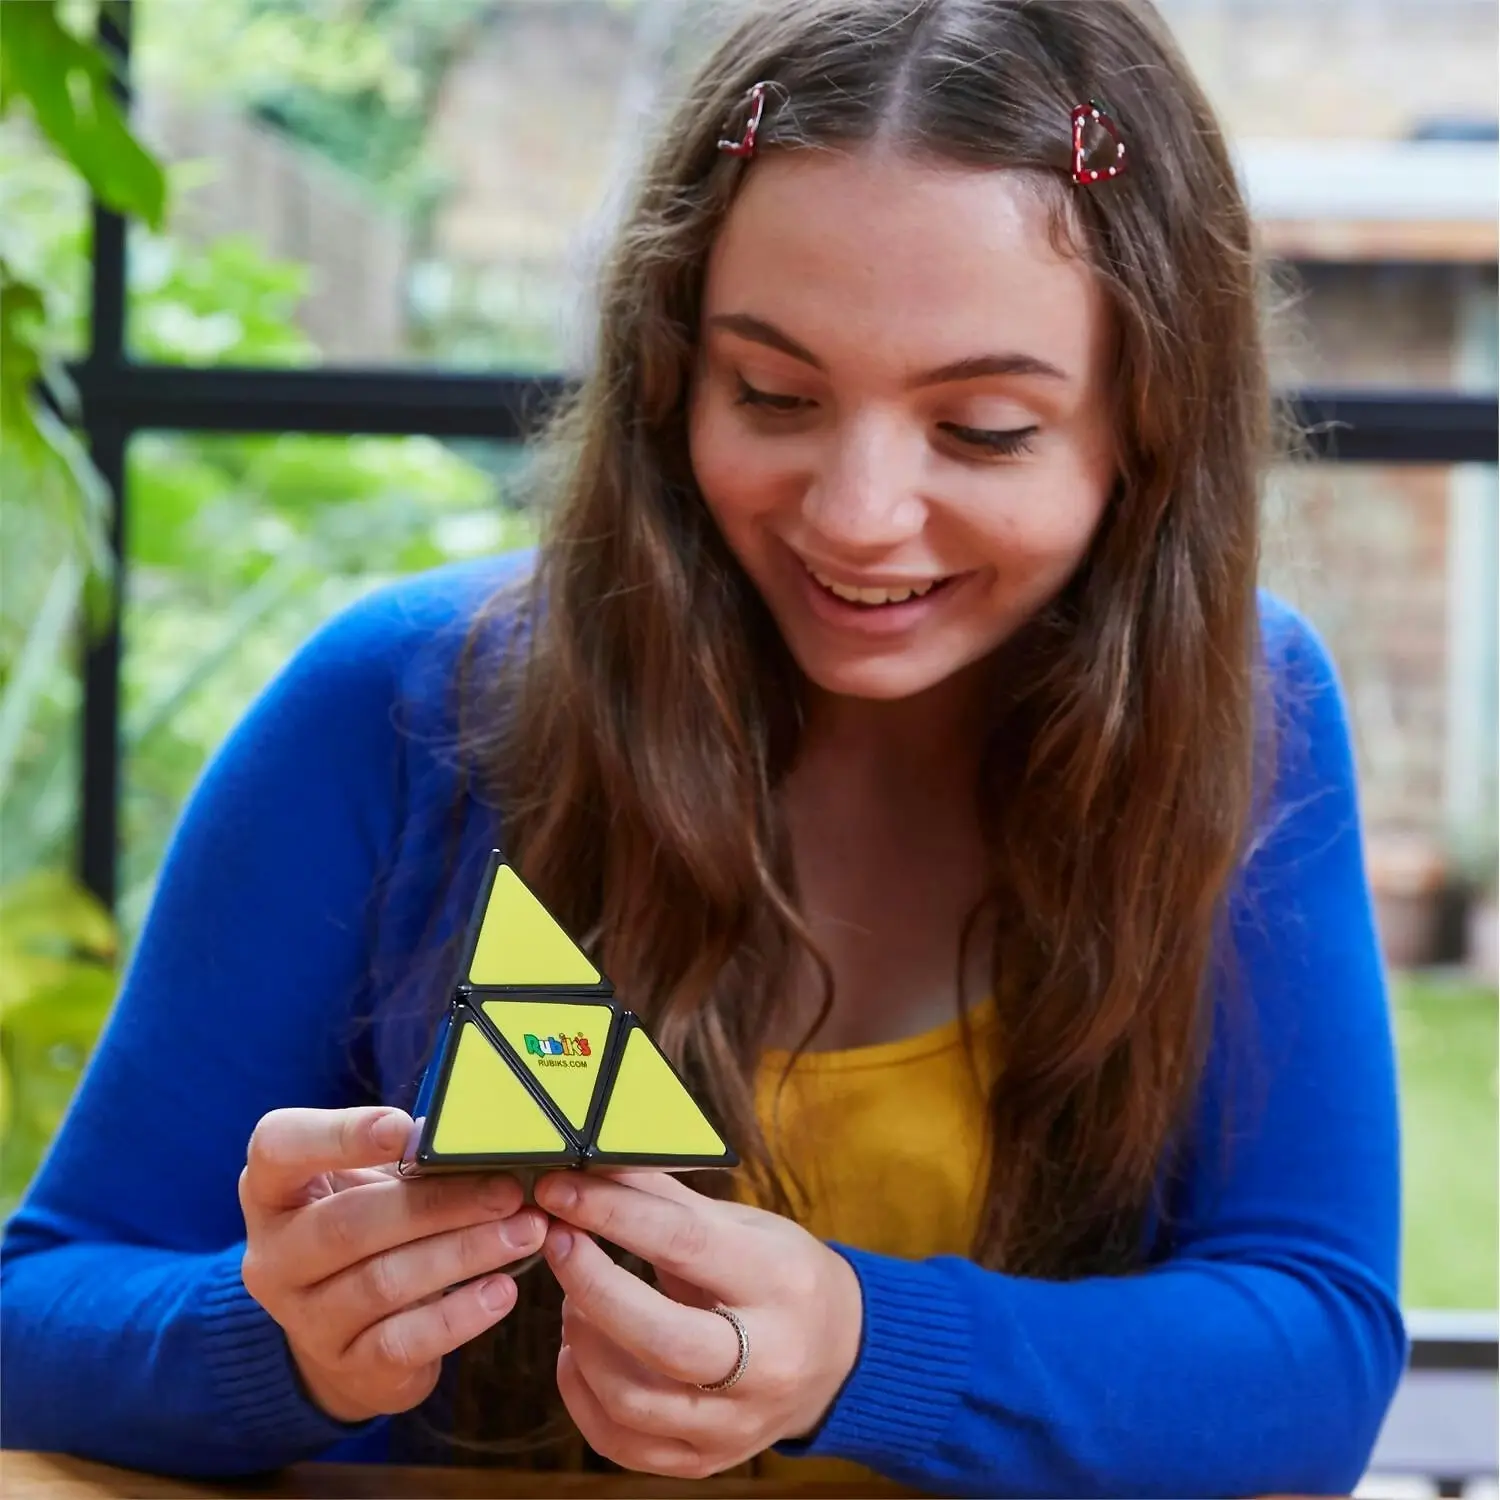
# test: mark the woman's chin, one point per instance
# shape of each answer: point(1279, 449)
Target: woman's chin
point(879, 681)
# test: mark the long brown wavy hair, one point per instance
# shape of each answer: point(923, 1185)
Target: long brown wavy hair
point(636, 744)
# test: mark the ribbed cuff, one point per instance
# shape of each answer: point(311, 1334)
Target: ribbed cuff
point(254, 1377)
point(912, 1369)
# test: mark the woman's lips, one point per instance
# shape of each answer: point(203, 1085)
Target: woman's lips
point(872, 619)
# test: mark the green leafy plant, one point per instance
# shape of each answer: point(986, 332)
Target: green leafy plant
point(64, 83)
point(239, 546)
point(57, 978)
point(57, 944)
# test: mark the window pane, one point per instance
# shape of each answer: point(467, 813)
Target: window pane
point(1396, 568)
point(54, 972)
point(1383, 561)
point(43, 690)
point(414, 183)
point(47, 993)
point(44, 209)
point(1381, 327)
point(238, 549)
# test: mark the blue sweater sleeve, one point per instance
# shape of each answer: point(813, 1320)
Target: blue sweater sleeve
point(1259, 1356)
point(128, 1334)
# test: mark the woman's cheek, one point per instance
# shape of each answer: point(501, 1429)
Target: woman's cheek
point(738, 474)
point(1042, 521)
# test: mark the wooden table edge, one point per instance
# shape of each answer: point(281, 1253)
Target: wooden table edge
point(58, 1476)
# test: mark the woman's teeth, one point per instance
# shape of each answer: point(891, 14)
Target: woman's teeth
point(874, 596)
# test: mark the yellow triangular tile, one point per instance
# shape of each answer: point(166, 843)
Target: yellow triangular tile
point(520, 943)
point(485, 1108)
point(649, 1112)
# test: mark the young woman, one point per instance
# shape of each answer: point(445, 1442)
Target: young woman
point(890, 707)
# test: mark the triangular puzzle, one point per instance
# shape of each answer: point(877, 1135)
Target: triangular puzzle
point(536, 1065)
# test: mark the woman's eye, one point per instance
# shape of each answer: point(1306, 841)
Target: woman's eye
point(1001, 443)
point(750, 395)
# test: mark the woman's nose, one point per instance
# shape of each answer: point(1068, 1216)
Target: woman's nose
point(864, 496)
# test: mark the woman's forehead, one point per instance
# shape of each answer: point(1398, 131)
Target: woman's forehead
point(930, 262)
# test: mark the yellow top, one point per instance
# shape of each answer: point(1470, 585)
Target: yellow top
point(890, 1146)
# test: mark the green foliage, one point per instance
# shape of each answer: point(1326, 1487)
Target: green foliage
point(67, 82)
point(57, 950)
point(239, 548)
point(56, 945)
point(62, 84)
point(245, 545)
point(223, 304)
point(356, 81)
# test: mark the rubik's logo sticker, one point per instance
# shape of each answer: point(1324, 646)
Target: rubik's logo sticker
point(535, 1064)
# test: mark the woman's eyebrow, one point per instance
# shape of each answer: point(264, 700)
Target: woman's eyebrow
point(973, 367)
point(758, 331)
point(979, 365)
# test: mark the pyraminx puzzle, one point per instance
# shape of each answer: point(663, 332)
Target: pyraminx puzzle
point(536, 1065)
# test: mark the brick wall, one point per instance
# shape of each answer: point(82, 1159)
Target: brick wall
point(1324, 68)
point(1364, 549)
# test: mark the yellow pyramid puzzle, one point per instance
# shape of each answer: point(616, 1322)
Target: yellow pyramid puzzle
point(536, 1064)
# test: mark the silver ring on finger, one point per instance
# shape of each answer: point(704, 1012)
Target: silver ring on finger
point(743, 1335)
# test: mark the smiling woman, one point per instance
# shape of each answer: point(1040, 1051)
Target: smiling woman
point(890, 712)
point(894, 463)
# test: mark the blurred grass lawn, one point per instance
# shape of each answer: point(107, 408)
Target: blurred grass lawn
point(1446, 1037)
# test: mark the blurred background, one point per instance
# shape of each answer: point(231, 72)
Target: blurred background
point(370, 223)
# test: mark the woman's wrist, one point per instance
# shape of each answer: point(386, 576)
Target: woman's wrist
point(319, 1387)
point(840, 1347)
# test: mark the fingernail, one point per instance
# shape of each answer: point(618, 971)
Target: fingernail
point(497, 1293)
point(521, 1228)
point(559, 1242)
point(558, 1192)
point(499, 1192)
point(389, 1132)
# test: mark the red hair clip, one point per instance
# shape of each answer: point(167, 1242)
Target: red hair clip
point(745, 146)
point(1085, 169)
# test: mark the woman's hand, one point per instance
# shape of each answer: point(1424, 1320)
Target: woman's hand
point(633, 1358)
point(355, 1261)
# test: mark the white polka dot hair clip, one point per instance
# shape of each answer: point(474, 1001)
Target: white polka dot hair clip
point(1093, 127)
